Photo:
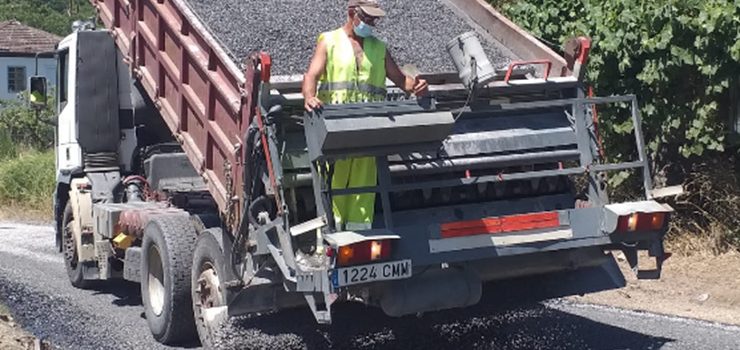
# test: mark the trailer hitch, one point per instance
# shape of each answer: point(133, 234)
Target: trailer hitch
point(655, 250)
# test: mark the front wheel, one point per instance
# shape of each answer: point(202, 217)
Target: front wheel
point(69, 245)
point(167, 251)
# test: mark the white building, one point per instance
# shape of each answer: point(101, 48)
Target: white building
point(19, 47)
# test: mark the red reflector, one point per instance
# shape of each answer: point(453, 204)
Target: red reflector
point(512, 223)
point(364, 252)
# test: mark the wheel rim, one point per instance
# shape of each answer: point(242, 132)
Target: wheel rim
point(208, 294)
point(156, 281)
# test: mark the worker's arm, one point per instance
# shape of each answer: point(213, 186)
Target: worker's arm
point(414, 85)
point(315, 69)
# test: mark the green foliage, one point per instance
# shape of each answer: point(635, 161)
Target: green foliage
point(7, 146)
point(680, 57)
point(53, 16)
point(23, 126)
point(27, 180)
point(27, 175)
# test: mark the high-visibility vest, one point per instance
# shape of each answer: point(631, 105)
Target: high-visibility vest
point(343, 82)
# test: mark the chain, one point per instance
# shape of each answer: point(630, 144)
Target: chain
point(230, 215)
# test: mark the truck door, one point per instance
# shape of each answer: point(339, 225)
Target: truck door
point(68, 154)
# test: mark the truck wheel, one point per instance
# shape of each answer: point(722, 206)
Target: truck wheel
point(208, 294)
point(165, 278)
point(71, 261)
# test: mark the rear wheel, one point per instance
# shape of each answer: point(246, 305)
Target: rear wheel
point(165, 278)
point(69, 246)
point(208, 291)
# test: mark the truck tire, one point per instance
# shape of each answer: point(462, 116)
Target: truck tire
point(208, 289)
point(69, 246)
point(167, 253)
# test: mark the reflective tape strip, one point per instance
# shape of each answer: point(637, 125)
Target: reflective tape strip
point(348, 85)
point(358, 226)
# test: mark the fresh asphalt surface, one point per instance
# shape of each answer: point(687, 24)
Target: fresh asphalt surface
point(34, 285)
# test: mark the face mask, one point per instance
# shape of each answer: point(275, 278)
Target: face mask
point(363, 30)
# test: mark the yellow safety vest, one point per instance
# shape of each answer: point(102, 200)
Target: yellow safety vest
point(343, 82)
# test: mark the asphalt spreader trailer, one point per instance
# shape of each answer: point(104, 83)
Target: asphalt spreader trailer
point(185, 164)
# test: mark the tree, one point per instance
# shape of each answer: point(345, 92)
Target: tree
point(53, 16)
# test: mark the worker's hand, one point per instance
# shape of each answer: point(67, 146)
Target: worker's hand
point(421, 87)
point(312, 103)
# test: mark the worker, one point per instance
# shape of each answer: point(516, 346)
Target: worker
point(36, 95)
point(350, 65)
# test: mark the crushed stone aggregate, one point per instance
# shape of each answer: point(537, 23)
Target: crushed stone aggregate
point(416, 31)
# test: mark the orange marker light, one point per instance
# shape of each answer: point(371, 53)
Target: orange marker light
point(657, 221)
point(346, 254)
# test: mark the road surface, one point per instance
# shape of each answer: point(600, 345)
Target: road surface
point(34, 285)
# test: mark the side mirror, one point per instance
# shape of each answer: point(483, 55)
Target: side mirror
point(37, 94)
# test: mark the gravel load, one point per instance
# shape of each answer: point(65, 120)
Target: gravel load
point(416, 31)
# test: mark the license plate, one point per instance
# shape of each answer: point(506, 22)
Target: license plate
point(392, 270)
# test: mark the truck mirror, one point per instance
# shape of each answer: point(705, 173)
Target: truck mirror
point(37, 92)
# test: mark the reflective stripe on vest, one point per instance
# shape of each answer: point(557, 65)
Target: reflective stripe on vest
point(343, 81)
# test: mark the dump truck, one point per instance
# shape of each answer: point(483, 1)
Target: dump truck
point(186, 162)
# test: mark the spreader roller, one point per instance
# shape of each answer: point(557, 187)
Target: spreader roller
point(377, 128)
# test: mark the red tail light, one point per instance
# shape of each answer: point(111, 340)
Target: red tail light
point(641, 222)
point(364, 252)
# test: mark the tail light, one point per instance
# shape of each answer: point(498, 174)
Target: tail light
point(641, 222)
point(364, 252)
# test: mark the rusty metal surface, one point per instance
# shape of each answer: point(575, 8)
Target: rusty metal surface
point(194, 85)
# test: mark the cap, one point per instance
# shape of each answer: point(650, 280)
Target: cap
point(369, 7)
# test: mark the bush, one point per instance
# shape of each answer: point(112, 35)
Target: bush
point(7, 146)
point(28, 180)
point(24, 127)
point(680, 57)
point(711, 204)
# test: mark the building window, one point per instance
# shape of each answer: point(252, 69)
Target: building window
point(16, 79)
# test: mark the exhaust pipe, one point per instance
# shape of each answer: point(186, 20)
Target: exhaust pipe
point(433, 290)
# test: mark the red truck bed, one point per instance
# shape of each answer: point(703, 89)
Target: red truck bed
point(203, 95)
